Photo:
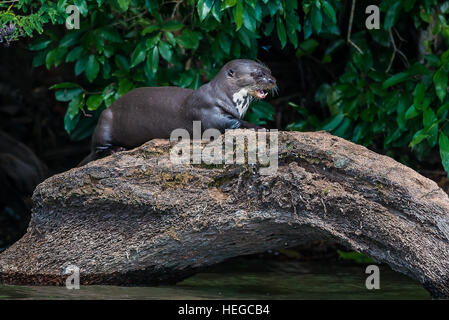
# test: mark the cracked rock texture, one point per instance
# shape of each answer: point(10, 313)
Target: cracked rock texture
point(136, 218)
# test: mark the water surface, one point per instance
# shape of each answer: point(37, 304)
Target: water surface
point(249, 279)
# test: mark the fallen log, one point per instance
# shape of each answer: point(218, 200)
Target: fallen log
point(137, 218)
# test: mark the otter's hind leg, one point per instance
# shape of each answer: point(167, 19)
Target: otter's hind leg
point(102, 141)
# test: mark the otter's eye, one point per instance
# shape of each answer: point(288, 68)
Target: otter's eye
point(230, 72)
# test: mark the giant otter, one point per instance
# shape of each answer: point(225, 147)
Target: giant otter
point(154, 112)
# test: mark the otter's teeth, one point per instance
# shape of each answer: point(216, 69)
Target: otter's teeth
point(261, 94)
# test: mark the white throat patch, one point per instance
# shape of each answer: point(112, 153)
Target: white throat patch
point(241, 101)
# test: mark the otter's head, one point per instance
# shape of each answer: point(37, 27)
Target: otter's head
point(245, 80)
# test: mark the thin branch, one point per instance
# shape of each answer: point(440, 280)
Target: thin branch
point(399, 35)
point(351, 19)
point(178, 2)
point(129, 19)
point(395, 49)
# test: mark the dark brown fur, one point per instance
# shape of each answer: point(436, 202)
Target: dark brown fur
point(154, 112)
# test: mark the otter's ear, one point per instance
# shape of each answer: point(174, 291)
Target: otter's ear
point(230, 73)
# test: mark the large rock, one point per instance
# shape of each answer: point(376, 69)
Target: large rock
point(136, 218)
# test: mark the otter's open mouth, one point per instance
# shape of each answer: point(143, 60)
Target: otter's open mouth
point(259, 93)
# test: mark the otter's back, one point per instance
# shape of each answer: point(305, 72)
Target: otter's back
point(139, 114)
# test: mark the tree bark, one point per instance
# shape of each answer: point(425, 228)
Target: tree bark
point(137, 218)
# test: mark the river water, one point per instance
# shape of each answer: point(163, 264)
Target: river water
point(250, 279)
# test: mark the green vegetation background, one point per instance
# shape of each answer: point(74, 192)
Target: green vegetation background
point(390, 90)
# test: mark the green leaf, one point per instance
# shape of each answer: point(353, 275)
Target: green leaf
point(110, 34)
point(307, 47)
point(170, 38)
point(395, 79)
point(150, 29)
point(54, 57)
point(418, 69)
point(39, 45)
point(165, 51)
point(172, 25)
point(291, 5)
point(196, 82)
point(106, 70)
point(445, 57)
point(39, 59)
point(392, 15)
point(409, 4)
point(67, 94)
point(411, 112)
point(432, 59)
point(124, 86)
point(204, 7)
point(418, 137)
point(342, 128)
point(238, 14)
point(121, 62)
point(269, 28)
point(64, 85)
point(82, 6)
point(138, 55)
point(307, 29)
point(249, 21)
point(69, 39)
point(80, 65)
point(75, 105)
point(329, 11)
point(430, 122)
point(444, 151)
point(92, 68)
point(444, 108)
point(108, 92)
point(152, 41)
point(70, 124)
point(225, 42)
point(244, 38)
point(334, 122)
point(186, 78)
point(153, 60)
point(74, 54)
point(280, 28)
point(419, 93)
point(273, 7)
point(188, 39)
point(86, 127)
point(317, 19)
point(292, 23)
point(93, 102)
point(236, 48)
point(392, 137)
point(429, 118)
point(260, 112)
point(216, 12)
point(227, 4)
point(400, 112)
point(440, 82)
point(364, 61)
point(124, 4)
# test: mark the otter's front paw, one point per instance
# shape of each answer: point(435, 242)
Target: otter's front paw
point(234, 124)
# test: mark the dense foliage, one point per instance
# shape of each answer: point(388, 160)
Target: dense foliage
point(385, 93)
